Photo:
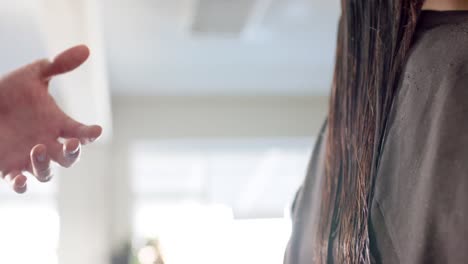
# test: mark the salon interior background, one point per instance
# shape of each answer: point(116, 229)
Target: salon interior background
point(210, 110)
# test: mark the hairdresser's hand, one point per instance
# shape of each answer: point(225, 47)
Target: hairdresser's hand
point(31, 122)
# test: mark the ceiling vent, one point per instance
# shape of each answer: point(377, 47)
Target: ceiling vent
point(221, 17)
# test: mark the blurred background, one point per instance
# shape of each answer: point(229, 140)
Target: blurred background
point(210, 110)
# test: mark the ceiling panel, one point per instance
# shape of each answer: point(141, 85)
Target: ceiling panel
point(221, 16)
point(283, 50)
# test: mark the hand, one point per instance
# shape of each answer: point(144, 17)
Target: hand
point(31, 123)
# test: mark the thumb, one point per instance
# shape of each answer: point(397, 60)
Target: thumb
point(66, 61)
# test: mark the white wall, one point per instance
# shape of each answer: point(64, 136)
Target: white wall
point(178, 117)
point(95, 197)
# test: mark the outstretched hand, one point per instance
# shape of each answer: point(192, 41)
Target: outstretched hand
point(31, 123)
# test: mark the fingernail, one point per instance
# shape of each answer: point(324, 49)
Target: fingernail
point(92, 139)
point(41, 157)
point(22, 185)
point(47, 178)
point(47, 172)
point(73, 152)
point(22, 189)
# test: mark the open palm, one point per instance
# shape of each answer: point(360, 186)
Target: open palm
point(32, 123)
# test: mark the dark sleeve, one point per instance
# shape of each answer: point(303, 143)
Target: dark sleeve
point(310, 170)
point(305, 206)
point(297, 197)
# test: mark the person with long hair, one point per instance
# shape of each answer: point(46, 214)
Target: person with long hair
point(388, 179)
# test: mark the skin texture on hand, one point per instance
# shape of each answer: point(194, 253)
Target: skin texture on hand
point(31, 123)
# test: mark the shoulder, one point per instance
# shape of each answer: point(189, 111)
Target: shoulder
point(442, 49)
point(437, 67)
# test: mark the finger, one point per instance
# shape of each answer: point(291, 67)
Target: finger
point(17, 181)
point(40, 163)
point(86, 134)
point(67, 154)
point(66, 61)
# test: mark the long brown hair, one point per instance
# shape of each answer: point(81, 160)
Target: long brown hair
point(373, 43)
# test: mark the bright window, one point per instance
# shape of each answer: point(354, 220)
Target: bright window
point(29, 225)
point(190, 233)
point(215, 201)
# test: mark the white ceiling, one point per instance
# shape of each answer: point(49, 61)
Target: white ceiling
point(197, 47)
point(219, 47)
